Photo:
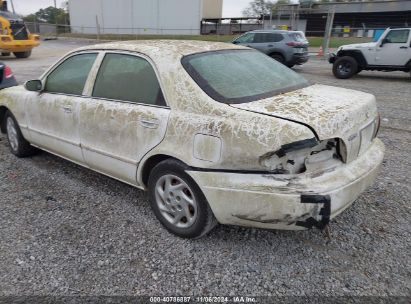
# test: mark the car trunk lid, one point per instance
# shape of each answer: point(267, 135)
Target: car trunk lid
point(330, 112)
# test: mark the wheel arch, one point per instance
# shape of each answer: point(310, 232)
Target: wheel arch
point(277, 52)
point(148, 165)
point(357, 55)
point(3, 111)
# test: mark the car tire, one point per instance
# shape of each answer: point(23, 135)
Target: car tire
point(278, 57)
point(5, 54)
point(22, 54)
point(345, 67)
point(19, 146)
point(177, 201)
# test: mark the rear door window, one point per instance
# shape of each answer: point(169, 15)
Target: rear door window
point(128, 78)
point(260, 38)
point(274, 37)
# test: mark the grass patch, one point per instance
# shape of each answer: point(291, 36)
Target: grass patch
point(314, 41)
point(336, 42)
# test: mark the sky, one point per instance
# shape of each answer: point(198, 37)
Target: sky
point(232, 8)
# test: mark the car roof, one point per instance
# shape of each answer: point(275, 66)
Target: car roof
point(159, 48)
point(274, 31)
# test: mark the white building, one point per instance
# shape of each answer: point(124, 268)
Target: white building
point(168, 17)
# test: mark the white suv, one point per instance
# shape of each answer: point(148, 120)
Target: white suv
point(392, 52)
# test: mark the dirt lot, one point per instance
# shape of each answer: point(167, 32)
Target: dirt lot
point(68, 231)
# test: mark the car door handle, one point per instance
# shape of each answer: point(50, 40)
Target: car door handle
point(149, 124)
point(403, 47)
point(67, 109)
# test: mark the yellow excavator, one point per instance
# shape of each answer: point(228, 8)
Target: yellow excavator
point(14, 35)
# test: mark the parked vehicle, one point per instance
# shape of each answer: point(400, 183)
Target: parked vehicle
point(215, 132)
point(287, 47)
point(392, 52)
point(14, 36)
point(7, 78)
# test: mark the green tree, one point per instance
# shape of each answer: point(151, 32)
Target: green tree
point(51, 15)
point(262, 7)
point(30, 18)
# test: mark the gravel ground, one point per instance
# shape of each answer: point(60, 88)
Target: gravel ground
point(68, 231)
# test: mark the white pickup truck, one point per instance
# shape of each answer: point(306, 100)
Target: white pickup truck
point(392, 52)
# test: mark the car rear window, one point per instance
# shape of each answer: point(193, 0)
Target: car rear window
point(298, 37)
point(239, 76)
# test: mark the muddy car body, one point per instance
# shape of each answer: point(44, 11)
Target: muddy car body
point(290, 158)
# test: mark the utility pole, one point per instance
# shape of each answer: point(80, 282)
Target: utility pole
point(12, 7)
point(328, 30)
point(55, 6)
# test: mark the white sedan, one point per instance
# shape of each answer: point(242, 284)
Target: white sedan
point(216, 133)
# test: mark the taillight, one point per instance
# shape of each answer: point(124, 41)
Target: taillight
point(8, 73)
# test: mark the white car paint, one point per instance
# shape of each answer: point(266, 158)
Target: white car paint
point(230, 149)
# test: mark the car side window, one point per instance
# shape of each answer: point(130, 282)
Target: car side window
point(247, 38)
point(128, 78)
point(260, 38)
point(70, 76)
point(274, 37)
point(397, 36)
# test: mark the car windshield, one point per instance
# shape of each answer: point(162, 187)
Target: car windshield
point(240, 76)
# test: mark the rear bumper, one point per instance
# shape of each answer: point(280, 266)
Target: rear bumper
point(288, 202)
point(299, 58)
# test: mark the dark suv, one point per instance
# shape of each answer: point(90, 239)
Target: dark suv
point(288, 47)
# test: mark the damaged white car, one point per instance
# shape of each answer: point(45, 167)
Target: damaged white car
point(215, 132)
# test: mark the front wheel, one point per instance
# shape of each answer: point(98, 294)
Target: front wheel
point(22, 54)
point(178, 202)
point(345, 67)
point(18, 145)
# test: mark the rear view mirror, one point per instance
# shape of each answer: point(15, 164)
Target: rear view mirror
point(34, 85)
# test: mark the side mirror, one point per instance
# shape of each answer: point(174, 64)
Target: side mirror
point(34, 85)
point(235, 42)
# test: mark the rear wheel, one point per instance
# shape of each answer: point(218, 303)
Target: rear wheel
point(345, 67)
point(278, 57)
point(178, 202)
point(5, 54)
point(22, 54)
point(18, 145)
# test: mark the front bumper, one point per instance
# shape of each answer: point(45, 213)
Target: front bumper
point(19, 45)
point(332, 58)
point(288, 202)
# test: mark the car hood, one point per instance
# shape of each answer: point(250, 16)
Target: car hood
point(331, 112)
point(358, 46)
